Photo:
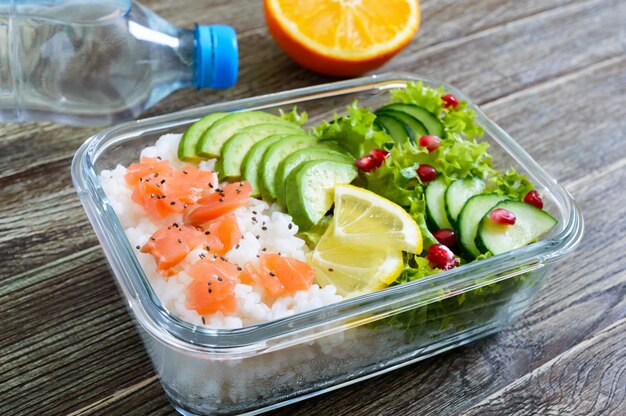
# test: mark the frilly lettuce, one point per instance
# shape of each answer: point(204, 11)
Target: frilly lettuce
point(355, 132)
point(294, 117)
point(511, 184)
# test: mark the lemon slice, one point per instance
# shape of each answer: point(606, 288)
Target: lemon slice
point(366, 219)
point(353, 269)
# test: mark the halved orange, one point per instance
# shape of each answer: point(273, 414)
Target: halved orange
point(342, 37)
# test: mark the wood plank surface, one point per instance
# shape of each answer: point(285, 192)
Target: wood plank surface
point(552, 73)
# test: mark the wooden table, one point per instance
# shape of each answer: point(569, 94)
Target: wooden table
point(551, 72)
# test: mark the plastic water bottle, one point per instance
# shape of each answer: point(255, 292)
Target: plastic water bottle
point(94, 62)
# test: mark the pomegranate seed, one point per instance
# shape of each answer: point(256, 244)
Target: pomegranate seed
point(442, 257)
point(533, 198)
point(426, 173)
point(502, 216)
point(379, 155)
point(366, 163)
point(446, 237)
point(450, 101)
point(430, 142)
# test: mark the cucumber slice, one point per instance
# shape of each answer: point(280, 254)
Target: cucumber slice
point(212, 140)
point(415, 129)
point(458, 193)
point(470, 216)
point(310, 189)
point(429, 120)
point(436, 205)
point(236, 148)
point(274, 155)
point(187, 145)
point(395, 128)
point(300, 156)
point(251, 163)
point(530, 224)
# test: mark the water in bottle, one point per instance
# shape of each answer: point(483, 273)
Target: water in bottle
point(95, 62)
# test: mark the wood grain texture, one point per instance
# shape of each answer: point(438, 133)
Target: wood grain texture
point(589, 379)
point(552, 73)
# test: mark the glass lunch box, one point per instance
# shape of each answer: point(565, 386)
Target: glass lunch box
point(261, 367)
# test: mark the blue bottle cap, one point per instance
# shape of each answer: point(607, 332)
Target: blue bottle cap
point(217, 57)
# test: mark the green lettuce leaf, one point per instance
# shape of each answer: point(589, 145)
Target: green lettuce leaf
point(355, 131)
point(511, 184)
point(294, 117)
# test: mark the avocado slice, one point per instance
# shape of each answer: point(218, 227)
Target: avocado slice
point(429, 120)
point(300, 156)
point(415, 129)
point(252, 162)
point(212, 140)
point(309, 189)
point(187, 145)
point(274, 154)
point(236, 148)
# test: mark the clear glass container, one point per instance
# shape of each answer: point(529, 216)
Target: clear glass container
point(261, 367)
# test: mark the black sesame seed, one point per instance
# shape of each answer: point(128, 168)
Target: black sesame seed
point(238, 191)
point(218, 190)
point(254, 219)
point(221, 199)
point(203, 321)
point(185, 172)
point(156, 175)
point(175, 224)
point(219, 279)
point(258, 236)
point(210, 185)
point(180, 241)
point(152, 238)
point(258, 256)
point(173, 203)
point(210, 290)
point(159, 157)
point(264, 249)
point(254, 212)
point(162, 181)
point(239, 268)
point(207, 232)
point(137, 247)
point(272, 274)
point(290, 226)
point(222, 258)
point(237, 246)
point(330, 269)
point(264, 228)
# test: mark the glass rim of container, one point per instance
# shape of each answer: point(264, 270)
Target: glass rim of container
point(254, 338)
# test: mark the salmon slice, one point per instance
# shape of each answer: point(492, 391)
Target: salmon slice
point(170, 245)
point(279, 275)
point(223, 201)
point(149, 168)
point(222, 234)
point(162, 190)
point(213, 286)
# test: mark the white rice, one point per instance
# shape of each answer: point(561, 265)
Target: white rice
point(253, 307)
